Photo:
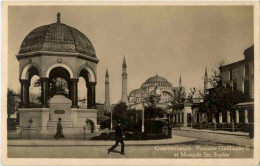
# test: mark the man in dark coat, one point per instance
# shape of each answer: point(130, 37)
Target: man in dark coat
point(118, 138)
point(59, 133)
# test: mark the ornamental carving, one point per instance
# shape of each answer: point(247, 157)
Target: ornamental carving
point(59, 60)
point(62, 62)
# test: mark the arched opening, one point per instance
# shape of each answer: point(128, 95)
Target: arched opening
point(27, 86)
point(247, 70)
point(59, 80)
point(62, 79)
point(88, 90)
point(35, 92)
point(82, 93)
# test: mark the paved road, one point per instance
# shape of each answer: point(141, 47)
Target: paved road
point(181, 147)
point(242, 140)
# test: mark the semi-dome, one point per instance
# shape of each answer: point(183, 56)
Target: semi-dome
point(57, 37)
point(155, 79)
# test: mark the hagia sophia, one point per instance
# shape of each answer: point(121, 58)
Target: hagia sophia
point(155, 86)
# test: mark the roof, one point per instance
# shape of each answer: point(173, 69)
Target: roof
point(249, 55)
point(57, 37)
point(156, 79)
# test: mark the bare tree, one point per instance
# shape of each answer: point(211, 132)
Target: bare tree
point(215, 78)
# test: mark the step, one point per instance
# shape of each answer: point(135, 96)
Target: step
point(63, 123)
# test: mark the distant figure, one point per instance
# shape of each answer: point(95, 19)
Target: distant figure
point(59, 133)
point(118, 138)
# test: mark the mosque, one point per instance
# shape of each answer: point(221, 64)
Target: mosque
point(155, 85)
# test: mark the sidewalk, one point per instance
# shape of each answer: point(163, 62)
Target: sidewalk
point(237, 133)
point(174, 140)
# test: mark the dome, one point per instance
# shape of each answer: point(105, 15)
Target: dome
point(57, 37)
point(155, 79)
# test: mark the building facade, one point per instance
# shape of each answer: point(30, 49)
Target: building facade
point(239, 76)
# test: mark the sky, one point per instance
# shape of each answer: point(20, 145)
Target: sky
point(167, 40)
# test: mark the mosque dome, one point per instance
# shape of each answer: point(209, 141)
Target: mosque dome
point(156, 79)
point(57, 37)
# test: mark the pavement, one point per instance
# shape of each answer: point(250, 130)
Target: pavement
point(62, 142)
point(176, 147)
point(238, 133)
point(224, 137)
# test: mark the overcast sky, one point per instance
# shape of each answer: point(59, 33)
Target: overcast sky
point(168, 40)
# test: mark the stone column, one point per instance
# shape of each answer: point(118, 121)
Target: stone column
point(69, 87)
point(237, 116)
point(74, 92)
point(185, 119)
point(91, 95)
point(25, 93)
point(44, 91)
point(142, 120)
point(220, 117)
point(228, 116)
point(246, 116)
point(177, 117)
point(213, 118)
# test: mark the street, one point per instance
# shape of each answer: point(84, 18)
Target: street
point(184, 144)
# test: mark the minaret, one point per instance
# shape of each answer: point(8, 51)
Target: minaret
point(180, 83)
point(124, 82)
point(180, 89)
point(107, 94)
point(206, 81)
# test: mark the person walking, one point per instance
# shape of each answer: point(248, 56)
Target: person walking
point(118, 138)
point(59, 133)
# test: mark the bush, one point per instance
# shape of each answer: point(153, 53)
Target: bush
point(105, 123)
point(105, 136)
point(133, 126)
point(153, 126)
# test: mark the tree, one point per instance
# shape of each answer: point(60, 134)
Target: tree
point(215, 78)
point(221, 98)
point(11, 102)
point(152, 100)
point(151, 110)
point(120, 112)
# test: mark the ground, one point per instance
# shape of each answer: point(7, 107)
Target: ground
point(183, 144)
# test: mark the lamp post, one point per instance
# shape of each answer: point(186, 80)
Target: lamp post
point(111, 125)
point(143, 118)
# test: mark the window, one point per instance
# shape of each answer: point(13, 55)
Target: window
point(234, 86)
point(247, 70)
point(230, 74)
point(246, 87)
